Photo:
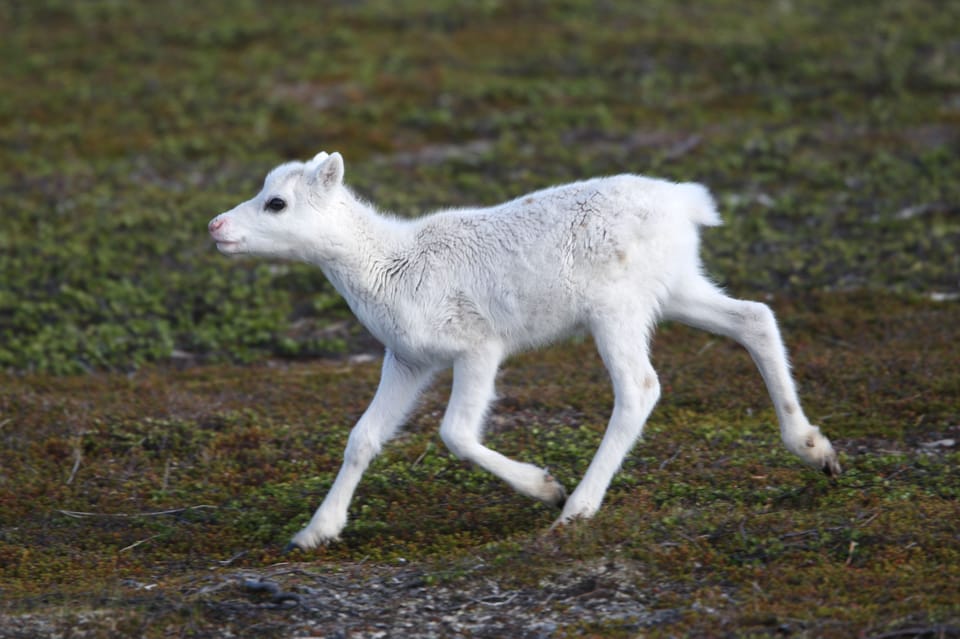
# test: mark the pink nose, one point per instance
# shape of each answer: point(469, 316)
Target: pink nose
point(215, 224)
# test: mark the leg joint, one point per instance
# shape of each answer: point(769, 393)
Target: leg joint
point(457, 442)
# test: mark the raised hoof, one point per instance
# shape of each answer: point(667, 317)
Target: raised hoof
point(553, 492)
point(831, 468)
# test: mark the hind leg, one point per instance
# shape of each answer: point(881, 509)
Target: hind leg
point(698, 302)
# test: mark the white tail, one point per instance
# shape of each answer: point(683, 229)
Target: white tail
point(698, 204)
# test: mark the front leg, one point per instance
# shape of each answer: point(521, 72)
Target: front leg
point(400, 386)
point(462, 427)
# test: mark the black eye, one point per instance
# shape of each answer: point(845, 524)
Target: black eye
point(276, 205)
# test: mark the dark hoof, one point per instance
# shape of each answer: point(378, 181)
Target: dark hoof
point(289, 548)
point(831, 468)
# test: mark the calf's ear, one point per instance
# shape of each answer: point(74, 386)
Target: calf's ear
point(329, 173)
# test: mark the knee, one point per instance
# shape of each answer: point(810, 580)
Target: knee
point(757, 321)
point(634, 401)
point(651, 385)
point(361, 447)
point(457, 442)
point(647, 389)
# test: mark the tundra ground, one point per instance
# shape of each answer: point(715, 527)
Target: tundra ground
point(168, 418)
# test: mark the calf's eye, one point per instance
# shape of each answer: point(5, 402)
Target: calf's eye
point(276, 205)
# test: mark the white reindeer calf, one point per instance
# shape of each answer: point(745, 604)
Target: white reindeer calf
point(468, 287)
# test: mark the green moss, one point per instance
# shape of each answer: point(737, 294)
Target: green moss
point(832, 153)
point(111, 479)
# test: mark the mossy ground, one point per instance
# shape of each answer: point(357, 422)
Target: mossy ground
point(168, 417)
point(121, 492)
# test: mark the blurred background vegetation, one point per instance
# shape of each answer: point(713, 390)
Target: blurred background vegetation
point(828, 130)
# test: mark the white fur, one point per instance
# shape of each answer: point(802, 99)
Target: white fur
point(466, 288)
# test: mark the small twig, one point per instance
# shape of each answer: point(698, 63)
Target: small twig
point(77, 456)
point(800, 533)
point(669, 459)
point(166, 477)
point(853, 546)
point(900, 471)
point(903, 400)
point(932, 631)
point(137, 543)
point(685, 537)
point(416, 462)
point(227, 562)
point(841, 343)
point(706, 347)
point(495, 600)
point(869, 520)
point(683, 147)
point(824, 418)
point(79, 514)
point(5, 422)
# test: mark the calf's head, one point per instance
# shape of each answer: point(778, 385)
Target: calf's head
point(295, 214)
